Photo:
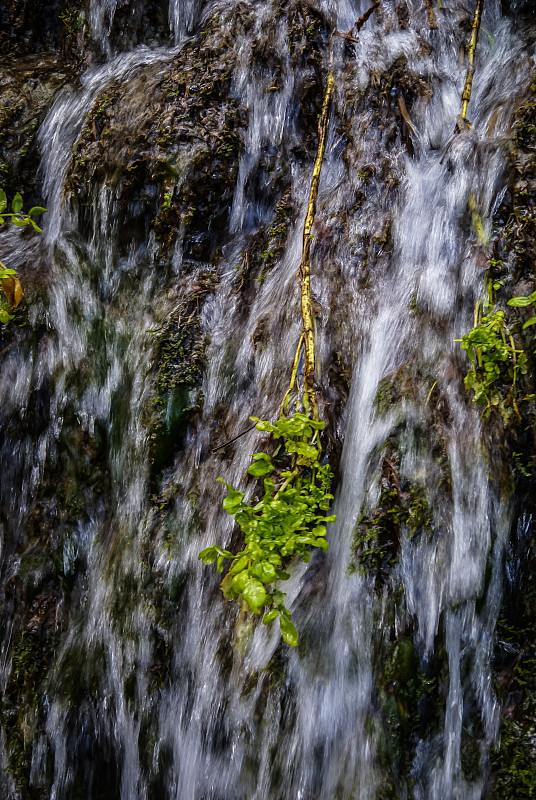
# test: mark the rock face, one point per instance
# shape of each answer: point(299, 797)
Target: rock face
point(163, 312)
point(28, 86)
point(169, 144)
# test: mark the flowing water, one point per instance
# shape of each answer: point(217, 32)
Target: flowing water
point(144, 694)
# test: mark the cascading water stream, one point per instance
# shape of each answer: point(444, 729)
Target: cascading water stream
point(156, 689)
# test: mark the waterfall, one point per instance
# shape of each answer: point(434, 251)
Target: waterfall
point(163, 313)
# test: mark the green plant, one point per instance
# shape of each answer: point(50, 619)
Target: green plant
point(288, 520)
point(17, 216)
point(495, 362)
point(8, 281)
point(521, 302)
point(166, 204)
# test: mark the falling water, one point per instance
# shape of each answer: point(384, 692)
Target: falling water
point(154, 688)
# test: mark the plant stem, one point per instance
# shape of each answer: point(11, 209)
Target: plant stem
point(293, 377)
point(364, 17)
point(466, 95)
point(304, 272)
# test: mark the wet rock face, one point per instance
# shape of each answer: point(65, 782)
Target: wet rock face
point(28, 86)
point(138, 22)
point(515, 650)
point(29, 25)
point(169, 139)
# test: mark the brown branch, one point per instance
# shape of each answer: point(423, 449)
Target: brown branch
point(394, 475)
point(405, 115)
point(432, 23)
point(359, 24)
point(80, 42)
point(364, 17)
point(348, 36)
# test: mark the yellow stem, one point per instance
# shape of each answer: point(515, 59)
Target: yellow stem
point(293, 377)
point(466, 95)
point(304, 272)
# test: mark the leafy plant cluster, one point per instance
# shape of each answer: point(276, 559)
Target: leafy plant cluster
point(17, 216)
point(289, 519)
point(10, 284)
point(523, 302)
point(495, 363)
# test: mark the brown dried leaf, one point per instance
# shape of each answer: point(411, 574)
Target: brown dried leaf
point(12, 290)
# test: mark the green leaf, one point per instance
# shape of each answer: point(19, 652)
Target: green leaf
point(17, 203)
point(288, 631)
point(239, 581)
point(282, 575)
point(270, 616)
point(227, 588)
point(233, 501)
point(529, 322)
point(254, 594)
point(208, 555)
point(322, 544)
point(37, 210)
point(36, 226)
point(225, 553)
point(260, 468)
point(238, 565)
point(220, 564)
point(3, 200)
point(520, 302)
point(263, 424)
point(264, 571)
point(317, 426)
point(19, 223)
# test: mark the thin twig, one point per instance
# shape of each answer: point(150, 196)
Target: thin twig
point(293, 376)
point(347, 36)
point(394, 475)
point(221, 446)
point(80, 42)
point(405, 115)
point(364, 17)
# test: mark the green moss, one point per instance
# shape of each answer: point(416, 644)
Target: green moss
point(80, 674)
point(22, 707)
point(513, 761)
point(179, 346)
point(394, 388)
point(377, 536)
